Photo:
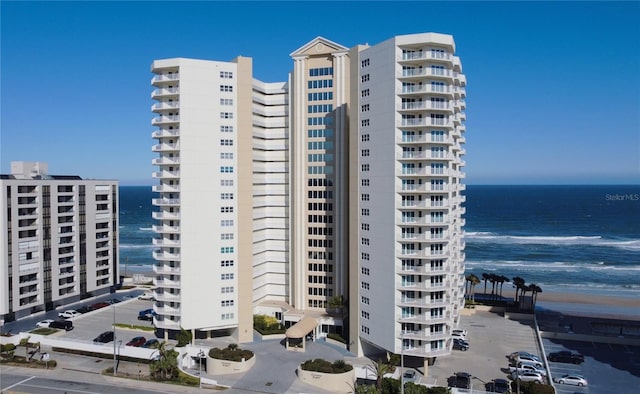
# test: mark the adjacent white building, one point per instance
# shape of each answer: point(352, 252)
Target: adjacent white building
point(58, 240)
point(345, 181)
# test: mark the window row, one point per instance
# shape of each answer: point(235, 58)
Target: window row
point(226, 249)
point(226, 209)
point(319, 182)
point(324, 194)
point(319, 121)
point(226, 169)
point(226, 236)
point(320, 157)
point(320, 145)
point(320, 84)
point(226, 74)
point(314, 267)
point(227, 289)
point(316, 255)
point(319, 170)
point(227, 276)
point(320, 133)
point(321, 291)
point(320, 206)
point(319, 108)
point(226, 88)
point(320, 243)
point(226, 101)
point(317, 72)
point(225, 303)
point(320, 96)
point(320, 230)
point(327, 280)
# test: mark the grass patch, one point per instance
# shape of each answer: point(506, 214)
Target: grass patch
point(43, 331)
point(135, 327)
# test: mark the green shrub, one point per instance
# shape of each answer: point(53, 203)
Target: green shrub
point(184, 337)
point(320, 365)
point(336, 337)
point(230, 353)
point(266, 323)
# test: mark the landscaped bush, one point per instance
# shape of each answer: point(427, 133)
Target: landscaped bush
point(43, 331)
point(8, 350)
point(320, 365)
point(266, 325)
point(336, 337)
point(532, 388)
point(230, 353)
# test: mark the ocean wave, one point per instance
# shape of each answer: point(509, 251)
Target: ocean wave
point(136, 246)
point(555, 266)
point(595, 240)
point(145, 228)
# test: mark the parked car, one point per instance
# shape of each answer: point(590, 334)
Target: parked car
point(113, 301)
point(137, 341)
point(151, 344)
point(146, 314)
point(84, 309)
point(99, 305)
point(527, 359)
point(527, 377)
point(565, 356)
point(105, 337)
point(526, 367)
point(147, 296)
point(409, 376)
point(577, 380)
point(44, 323)
point(459, 333)
point(460, 344)
point(463, 380)
point(515, 355)
point(70, 314)
point(66, 325)
point(498, 386)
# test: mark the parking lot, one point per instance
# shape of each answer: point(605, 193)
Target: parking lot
point(608, 368)
point(491, 337)
point(90, 325)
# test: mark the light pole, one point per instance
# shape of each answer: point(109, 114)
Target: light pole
point(114, 339)
point(200, 355)
point(401, 361)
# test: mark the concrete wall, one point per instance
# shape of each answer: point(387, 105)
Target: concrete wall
point(223, 367)
point(336, 383)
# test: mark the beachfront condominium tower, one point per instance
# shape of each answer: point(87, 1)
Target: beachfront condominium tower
point(58, 240)
point(406, 265)
point(334, 196)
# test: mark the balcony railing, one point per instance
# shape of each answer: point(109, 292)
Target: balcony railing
point(165, 133)
point(426, 55)
point(165, 77)
point(159, 215)
point(165, 119)
point(165, 92)
point(424, 105)
point(412, 122)
point(165, 201)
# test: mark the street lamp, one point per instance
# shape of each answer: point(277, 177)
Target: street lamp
point(200, 355)
point(401, 361)
point(114, 339)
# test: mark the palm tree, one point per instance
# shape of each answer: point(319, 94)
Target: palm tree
point(166, 366)
point(485, 278)
point(381, 368)
point(493, 278)
point(473, 281)
point(535, 289)
point(518, 282)
point(502, 280)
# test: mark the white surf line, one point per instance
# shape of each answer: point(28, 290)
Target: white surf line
point(19, 383)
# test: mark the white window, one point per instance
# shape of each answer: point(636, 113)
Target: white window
point(226, 236)
point(226, 101)
point(226, 196)
point(226, 182)
point(226, 115)
point(227, 276)
point(226, 88)
point(226, 169)
point(226, 74)
point(226, 223)
point(226, 142)
point(226, 129)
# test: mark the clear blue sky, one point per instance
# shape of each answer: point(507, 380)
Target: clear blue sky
point(553, 93)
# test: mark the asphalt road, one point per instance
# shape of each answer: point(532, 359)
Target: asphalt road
point(14, 383)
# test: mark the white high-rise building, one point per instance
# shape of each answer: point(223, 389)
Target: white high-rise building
point(342, 183)
point(58, 240)
point(407, 259)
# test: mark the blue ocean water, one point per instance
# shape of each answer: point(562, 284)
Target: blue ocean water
point(563, 238)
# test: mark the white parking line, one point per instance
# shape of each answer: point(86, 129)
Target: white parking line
point(65, 390)
point(19, 383)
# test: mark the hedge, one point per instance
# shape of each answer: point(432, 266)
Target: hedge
point(230, 353)
point(320, 365)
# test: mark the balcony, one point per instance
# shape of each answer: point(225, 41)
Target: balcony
point(166, 161)
point(166, 188)
point(167, 310)
point(425, 302)
point(165, 242)
point(161, 215)
point(166, 229)
point(165, 148)
point(425, 55)
point(166, 283)
point(167, 324)
point(424, 122)
point(165, 105)
point(165, 119)
point(165, 256)
point(165, 92)
point(423, 89)
point(166, 201)
point(166, 174)
point(424, 105)
point(165, 269)
point(161, 78)
point(425, 72)
point(161, 133)
point(167, 297)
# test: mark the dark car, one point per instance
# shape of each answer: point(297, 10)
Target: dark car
point(146, 314)
point(84, 309)
point(498, 386)
point(99, 305)
point(566, 356)
point(66, 325)
point(105, 337)
point(460, 344)
point(113, 301)
point(137, 341)
point(463, 380)
point(151, 344)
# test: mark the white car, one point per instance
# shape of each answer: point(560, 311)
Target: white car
point(521, 353)
point(147, 296)
point(44, 323)
point(528, 359)
point(459, 333)
point(527, 377)
point(70, 314)
point(523, 367)
point(576, 380)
